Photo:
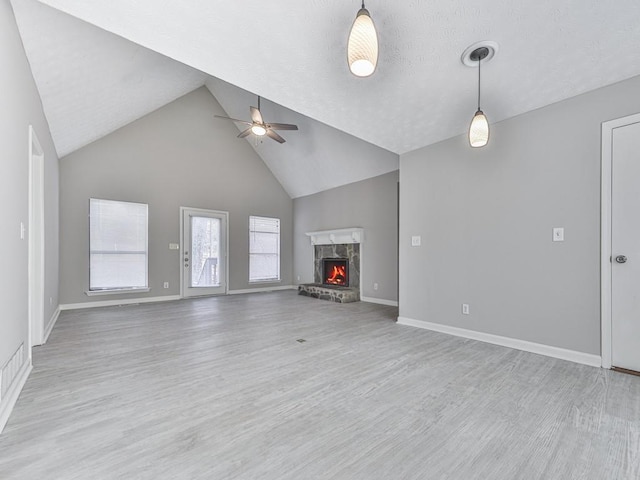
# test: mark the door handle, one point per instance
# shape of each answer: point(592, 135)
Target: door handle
point(621, 259)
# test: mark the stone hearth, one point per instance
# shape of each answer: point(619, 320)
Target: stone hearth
point(334, 294)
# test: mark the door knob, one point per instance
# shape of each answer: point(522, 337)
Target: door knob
point(621, 259)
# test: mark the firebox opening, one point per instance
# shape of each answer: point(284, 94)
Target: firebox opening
point(335, 271)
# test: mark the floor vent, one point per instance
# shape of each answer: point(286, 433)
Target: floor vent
point(10, 371)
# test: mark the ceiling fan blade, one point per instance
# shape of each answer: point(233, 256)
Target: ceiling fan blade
point(275, 136)
point(256, 116)
point(245, 133)
point(233, 119)
point(282, 126)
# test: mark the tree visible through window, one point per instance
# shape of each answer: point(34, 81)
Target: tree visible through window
point(117, 245)
point(264, 249)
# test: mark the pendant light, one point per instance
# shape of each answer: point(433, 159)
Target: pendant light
point(362, 49)
point(479, 128)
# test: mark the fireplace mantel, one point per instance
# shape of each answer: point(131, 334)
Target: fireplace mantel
point(339, 236)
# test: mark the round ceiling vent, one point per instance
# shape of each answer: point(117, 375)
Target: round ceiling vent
point(475, 51)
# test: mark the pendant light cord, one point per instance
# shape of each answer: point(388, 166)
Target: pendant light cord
point(479, 63)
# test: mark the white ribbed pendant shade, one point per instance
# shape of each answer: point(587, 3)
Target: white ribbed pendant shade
point(362, 50)
point(479, 130)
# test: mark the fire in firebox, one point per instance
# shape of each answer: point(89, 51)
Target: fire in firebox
point(338, 276)
point(335, 272)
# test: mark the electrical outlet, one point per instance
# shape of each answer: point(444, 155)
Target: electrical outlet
point(298, 277)
point(416, 240)
point(166, 284)
point(465, 309)
point(375, 286)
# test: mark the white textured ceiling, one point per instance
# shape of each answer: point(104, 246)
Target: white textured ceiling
point(293, 53)
point(93, 82)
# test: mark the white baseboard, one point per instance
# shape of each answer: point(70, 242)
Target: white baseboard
point(166, 298)
point(11, 397)
point(113, 303)
point(539, 348)
point(51, 324)
point(381, 301)
point(262, 289)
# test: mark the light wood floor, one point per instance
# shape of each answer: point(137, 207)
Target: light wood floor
point(219, 388)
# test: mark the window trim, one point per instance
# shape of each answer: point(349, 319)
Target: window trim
point(266, 280)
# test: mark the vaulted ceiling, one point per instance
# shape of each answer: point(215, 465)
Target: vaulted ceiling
point(101, 64)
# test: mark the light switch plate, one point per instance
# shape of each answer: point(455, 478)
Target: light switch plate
point(416, 240)
point(558, 234)
point(174, 246)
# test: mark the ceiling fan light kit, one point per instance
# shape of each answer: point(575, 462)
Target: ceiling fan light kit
point(473, 57)
point(258, 130)
point(362, 48)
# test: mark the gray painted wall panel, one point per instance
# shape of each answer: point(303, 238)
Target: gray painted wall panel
point(371, 204)
point(179, 155)
point(486, 218)
point(21, 107)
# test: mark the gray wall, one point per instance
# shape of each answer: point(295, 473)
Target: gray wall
point(371, 204)
point(21, 107)
point(486, 218)
point(179, 155)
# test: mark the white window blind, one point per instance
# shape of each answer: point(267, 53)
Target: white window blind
point(264, 249)
point(117, 245)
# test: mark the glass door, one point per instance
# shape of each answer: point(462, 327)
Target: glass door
point(204, 252)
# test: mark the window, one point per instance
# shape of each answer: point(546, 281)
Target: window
point(264, 249)
point(117, 245)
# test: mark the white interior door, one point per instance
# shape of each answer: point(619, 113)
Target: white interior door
point(625, 247)
point(204, 252)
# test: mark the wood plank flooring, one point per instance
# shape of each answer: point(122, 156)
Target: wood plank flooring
point(220, 388)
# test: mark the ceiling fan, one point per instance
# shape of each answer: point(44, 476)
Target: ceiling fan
point(259, 127)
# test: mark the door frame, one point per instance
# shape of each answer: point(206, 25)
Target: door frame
point(606, 232)
point(36, 240)
point(226, 253)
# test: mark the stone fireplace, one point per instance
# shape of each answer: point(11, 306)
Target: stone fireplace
point(336, 265)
